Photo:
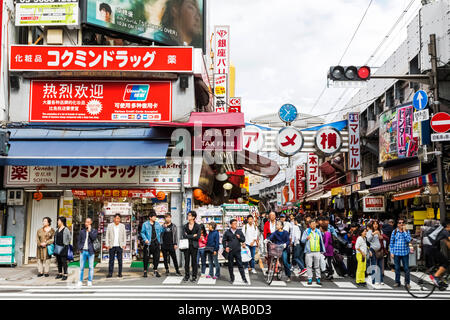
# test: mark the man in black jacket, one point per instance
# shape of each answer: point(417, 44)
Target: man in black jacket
point(169, 241)
point(232, 243)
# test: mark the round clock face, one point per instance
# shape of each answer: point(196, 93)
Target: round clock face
point(288, 113)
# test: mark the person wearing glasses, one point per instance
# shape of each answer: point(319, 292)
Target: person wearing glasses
point(399, 248)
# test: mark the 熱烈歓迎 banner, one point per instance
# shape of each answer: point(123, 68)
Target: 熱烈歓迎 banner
point(101, 58)
point(100, 101)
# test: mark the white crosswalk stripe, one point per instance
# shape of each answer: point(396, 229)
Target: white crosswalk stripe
point(345, 284)
point(206, 281)
point(238, 279)
point(391, 275)
point(278, 283)
point(173, 280)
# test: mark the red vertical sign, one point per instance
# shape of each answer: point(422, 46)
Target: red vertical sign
point(300, 178)
point(313, 172)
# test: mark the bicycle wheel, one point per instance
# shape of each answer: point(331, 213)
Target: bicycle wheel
point(424, 287)
point(278, 270)
point(270, 271)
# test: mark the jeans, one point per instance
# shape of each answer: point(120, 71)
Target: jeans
point(201, 255)
point(405, 261)
point(170, 252)
point(213, 261)
point(85, 255)
point(297, 259)
point(154, 250)
point(376, 262)
point(252, 253)
point(287, 265)
point(112, 256)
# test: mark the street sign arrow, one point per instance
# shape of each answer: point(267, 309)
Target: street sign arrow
point(420, 100)
point(440, 122)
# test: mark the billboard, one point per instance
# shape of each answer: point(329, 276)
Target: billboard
point(388, 136)
point(169, 22)
point(50, 13)
point(100, 101)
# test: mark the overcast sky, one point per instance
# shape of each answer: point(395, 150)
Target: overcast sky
point(282, 49)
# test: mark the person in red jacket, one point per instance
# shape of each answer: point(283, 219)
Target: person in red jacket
point(270, 226)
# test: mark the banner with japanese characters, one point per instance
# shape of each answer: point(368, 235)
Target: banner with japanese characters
point(101, 58)
point(222, 49)
point(300, 181)
point(50, 13)
point(354, 147)
point(100, 101)
point(404, 130)
point(313, 172)
point(220, 93)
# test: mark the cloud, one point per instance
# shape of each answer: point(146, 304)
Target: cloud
point(282, 49)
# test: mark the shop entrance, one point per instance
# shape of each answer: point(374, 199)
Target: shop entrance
point(40, 210)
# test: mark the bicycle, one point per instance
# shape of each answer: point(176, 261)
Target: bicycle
point(425, 286)
point(274, 265)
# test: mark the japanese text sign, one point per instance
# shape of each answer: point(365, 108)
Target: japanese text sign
point(222, 49)
point(219, 140)
point(235, 105)
point(289, 141)
point(354, 147)
point(253, 139)
point(63, 13)
point(313, 172)
point(300, 176)
point(328, 140)
point(220, 92)
point(95, 58)
point(100, 101)
point(373, 204)
point(404, 130)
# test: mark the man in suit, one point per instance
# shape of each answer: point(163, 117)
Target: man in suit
point(232, 242)
point(116, 241)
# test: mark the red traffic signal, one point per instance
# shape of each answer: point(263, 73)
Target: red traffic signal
point(350, 73)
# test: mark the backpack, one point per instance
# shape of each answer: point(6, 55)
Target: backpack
point(431, 236)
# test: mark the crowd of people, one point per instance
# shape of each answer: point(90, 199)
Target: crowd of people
point(314, 244)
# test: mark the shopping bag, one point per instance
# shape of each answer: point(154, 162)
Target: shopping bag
point(50, 249)
point(70, 253)
point(184, 244)
point(245, 254)
point(323, 263)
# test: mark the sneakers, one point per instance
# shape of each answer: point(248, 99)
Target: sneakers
point(245, 281)
point(318, 282)
point(215, 278)
point(79, 284)
point(396, 285)
point(208, 277)
point(59, 276)
point(156, 274)
point(64, 278)
point(288, 279)
point(145, 275)
point(120, 275)
point(309, 282)
point(302, 272)
point(254, 271)
point(194, 279)
point(89, 283)
point(408, 286)
point(186, 279)
point(434, 280)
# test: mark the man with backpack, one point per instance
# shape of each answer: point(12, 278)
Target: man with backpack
point(433, 240)
point(399, 248)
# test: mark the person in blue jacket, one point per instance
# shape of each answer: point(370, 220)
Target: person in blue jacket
point(281, 237)
point(151, 235)
point(212, 251)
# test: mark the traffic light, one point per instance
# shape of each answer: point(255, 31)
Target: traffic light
point(4, 142)
point(351, 73)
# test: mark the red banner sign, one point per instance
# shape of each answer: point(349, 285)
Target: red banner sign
point(87, 58)
point(313, 172)
point(100, 193)
point(100, 101)
point(235, 105)
point(300, 177)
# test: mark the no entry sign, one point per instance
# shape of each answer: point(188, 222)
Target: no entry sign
point(440, 122)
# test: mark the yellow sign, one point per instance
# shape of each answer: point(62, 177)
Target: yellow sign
point(336, 191)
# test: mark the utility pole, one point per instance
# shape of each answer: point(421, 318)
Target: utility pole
point(432, 51)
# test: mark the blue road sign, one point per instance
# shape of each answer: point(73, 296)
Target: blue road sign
point(420, 100)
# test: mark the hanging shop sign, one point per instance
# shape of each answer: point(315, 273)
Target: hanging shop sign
point(373, 204)
point(289, 141)
point(328, 141)
point(222, 49)
point(167, 176)
point(219, 140)
point(354, 148)
point(50, 13)
point(101, 58)
point(313, 172)
point(235, 105)
point(406, 144)
point(100, 101)
point(300, 181)
point(220, 93)
point(253, 139)
point(172, 23)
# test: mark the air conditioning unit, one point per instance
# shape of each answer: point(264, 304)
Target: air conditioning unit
point(15, 197)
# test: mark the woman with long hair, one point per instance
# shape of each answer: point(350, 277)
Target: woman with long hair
point(375, 239)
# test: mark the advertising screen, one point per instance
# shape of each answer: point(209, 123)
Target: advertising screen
point(170, 22)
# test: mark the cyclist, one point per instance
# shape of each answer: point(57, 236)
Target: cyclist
point(432, 247)
point(281, 237)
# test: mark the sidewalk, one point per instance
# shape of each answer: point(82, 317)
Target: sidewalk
point(26, 275)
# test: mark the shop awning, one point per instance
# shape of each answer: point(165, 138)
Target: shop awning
point(326, 195)
point(406, 195)
point(410, 183)
point(313, 198)
point(88, 152)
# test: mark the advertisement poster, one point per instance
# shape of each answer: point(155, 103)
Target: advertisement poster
point(173, 23)
point(388, 136)
point(96, 58)
point(50, 13)
point(405, 131)
point(373, 204)
point(220, 92)
point(100, 101)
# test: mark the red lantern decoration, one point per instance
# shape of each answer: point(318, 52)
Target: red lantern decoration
point(198, 193)
point(160, 196)
point(38, 196)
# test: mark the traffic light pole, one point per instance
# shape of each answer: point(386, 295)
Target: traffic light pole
point(432, 51)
